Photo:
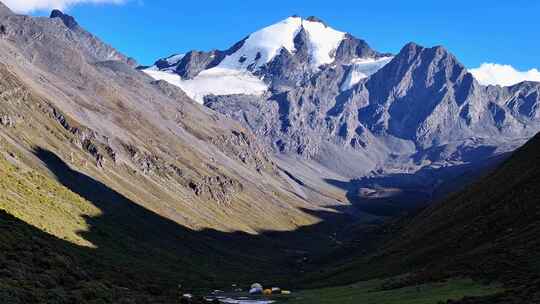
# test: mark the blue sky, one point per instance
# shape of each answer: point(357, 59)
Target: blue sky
point(476, 31)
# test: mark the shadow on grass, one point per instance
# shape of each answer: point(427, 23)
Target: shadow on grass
point(140, 252)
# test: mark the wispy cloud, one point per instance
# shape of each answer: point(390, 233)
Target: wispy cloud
point(27, 6)
point(503, 75)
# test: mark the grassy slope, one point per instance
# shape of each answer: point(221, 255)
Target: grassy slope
point(489, 230)
point(44, 203)
point(369, 292)
point(53, 230)
point(53, 250)
point(38, 267)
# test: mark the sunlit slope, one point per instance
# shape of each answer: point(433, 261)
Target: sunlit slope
point(41, 201)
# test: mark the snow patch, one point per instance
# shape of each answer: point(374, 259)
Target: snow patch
point(323, 41)
point(503, 75)
point(262, 46)
point(215, 81)
point(174, 59)
point(363, 68)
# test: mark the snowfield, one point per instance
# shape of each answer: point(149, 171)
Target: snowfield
point(363, 68)
point(215, 81)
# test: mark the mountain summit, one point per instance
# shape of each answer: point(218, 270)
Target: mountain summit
point(284, 54)
point(260, 48)
point(68, 20)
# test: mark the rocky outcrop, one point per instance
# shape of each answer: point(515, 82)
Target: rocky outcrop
point(244, 147)
point(352, 48)
point(88, 140)
point(7, 121)
point(196, 61)
point(151, 164)
point(218, 188)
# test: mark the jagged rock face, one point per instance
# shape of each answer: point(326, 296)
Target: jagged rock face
point(194, 62)
point(288, 69)
point(352, 48)
point(426, 96)
point(521, 101)
point(420, 95)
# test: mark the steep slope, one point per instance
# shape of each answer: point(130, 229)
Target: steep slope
point(74, 240)
point(489, 231)
point(197, 166)
point(492, 222)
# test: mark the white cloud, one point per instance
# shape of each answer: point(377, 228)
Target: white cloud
point(503, 75)
point(26, 6)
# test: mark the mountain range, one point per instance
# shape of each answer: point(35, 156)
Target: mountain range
point(313, 93)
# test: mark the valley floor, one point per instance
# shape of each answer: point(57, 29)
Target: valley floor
point(373, 292)
point(370, 292)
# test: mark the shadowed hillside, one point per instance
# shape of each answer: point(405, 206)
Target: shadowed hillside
point(489, 230)
point(112, 249)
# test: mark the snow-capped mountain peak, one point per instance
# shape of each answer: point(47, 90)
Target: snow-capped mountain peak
point(282, 54)
point(264, 45)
